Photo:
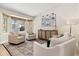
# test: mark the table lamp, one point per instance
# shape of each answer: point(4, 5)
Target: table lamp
point(70, 23)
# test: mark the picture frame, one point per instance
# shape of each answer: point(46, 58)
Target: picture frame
point(48, 20)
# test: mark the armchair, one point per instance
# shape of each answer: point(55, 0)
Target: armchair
point(16, 38)
point(30, 36)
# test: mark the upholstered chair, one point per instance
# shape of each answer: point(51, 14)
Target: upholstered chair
point(16, 38)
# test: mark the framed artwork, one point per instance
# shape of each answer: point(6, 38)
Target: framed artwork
point(48, 20)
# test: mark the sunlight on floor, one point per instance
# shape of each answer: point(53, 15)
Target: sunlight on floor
point(3, 51)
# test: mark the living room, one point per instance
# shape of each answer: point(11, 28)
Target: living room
point(26, 29)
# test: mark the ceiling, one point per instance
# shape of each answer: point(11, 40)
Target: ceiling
point(31, 9)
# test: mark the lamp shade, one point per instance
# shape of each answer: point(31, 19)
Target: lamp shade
point(72, 21)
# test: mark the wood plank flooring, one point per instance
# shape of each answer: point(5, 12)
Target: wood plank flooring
point(3, 51)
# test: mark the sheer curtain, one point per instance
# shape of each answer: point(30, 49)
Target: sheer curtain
point(29, 24)
point(5, 22)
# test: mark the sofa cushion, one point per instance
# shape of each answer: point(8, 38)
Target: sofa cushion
point(55, 41)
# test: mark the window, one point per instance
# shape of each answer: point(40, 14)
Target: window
point(16, 24)
point(11, 23)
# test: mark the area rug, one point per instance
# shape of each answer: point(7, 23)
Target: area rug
point(23, 49)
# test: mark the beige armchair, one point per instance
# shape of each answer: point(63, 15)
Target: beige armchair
point(30, 36)
point(16, 38)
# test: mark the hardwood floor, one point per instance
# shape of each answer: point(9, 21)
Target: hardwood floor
point(3, 51)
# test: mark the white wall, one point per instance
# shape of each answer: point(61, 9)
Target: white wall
point(77, 16)
point(63, 12)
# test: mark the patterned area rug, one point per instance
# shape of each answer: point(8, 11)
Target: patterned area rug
point(23, 49)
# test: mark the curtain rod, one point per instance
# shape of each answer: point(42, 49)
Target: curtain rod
point(18, 17)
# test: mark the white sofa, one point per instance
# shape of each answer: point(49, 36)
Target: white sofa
point(75, 32)
point(64, 49)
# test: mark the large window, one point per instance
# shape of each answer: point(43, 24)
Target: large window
point(12, 23)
